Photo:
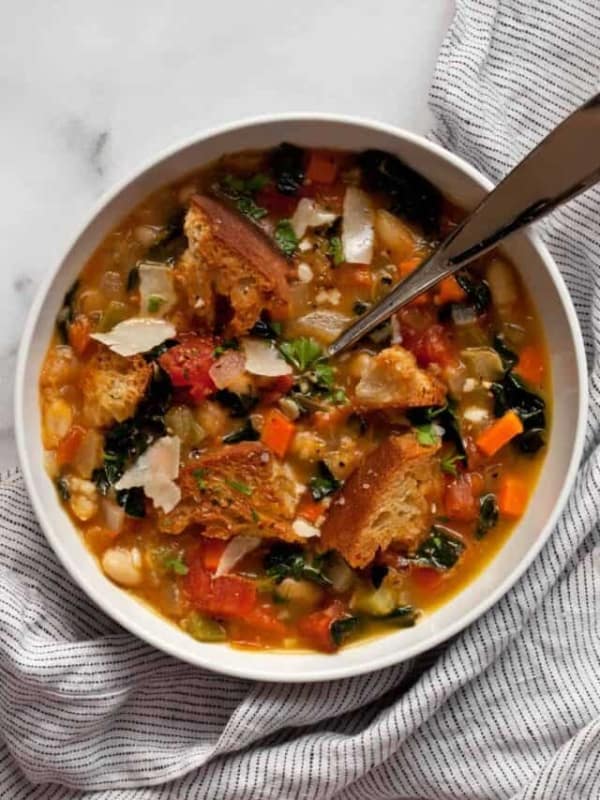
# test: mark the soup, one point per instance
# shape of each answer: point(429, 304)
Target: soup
point(226, 471)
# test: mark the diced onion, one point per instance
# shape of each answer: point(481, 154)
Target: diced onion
point(323, 324)
point(309, 214)
point(157, 294)
point(358, 233)
point(263, 358)
point(136, 335)
point(228, 369)
point(236, 549)
point(463, 315)
point(304, 529)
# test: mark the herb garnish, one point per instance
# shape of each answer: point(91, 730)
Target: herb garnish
point(335, 250)
point(426, 435)
point(173, 562)
point(154, 303)
point(317, 376)
point(286, 239)
point(449, 462)
point(240, 487)
point(242, 190)
point(199, 476)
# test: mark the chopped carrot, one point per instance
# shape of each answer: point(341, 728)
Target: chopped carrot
point(355, 275)
point(499, 433)
point(79, 334)
point(211, 552)
point(309, 509)
point(531, 364)
point(322, 166)
point(69, 445)
point(405, 268)
point(409, 265)
point(449, 291)
point(278, 432)
point(512, 496)
point(427, 579)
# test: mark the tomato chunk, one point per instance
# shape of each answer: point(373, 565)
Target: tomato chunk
point(276, 203)
point(316, 627)
point(461, 497)
point(228, 596)
point(433, 347)
point(188, 364)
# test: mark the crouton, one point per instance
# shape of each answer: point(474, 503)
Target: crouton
point(240, 489)
point(388, 498)
point(229, 257)
point(112, 387)
point(392, 379)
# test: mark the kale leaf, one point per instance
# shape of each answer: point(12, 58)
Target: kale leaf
point(341, 628)
point(287, 163)
point(323, 483)
point(171, 242)
point(239, 405)
point(411, 195)
point(247, 433)
point(488, 514)
point(289, 561)
point(440, 550)
point(286, 239)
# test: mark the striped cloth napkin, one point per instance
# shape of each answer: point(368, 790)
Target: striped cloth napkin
point(509, 709)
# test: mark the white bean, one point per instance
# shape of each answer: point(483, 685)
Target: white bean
point(123, 565)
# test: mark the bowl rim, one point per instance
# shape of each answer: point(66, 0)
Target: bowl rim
point(332, 672)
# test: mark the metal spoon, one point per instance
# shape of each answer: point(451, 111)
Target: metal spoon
point(564, 164)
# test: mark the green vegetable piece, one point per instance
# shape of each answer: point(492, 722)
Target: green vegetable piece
point(335, 250)
point(240, 487)
point(440, 550)
point(477, 291)
point(287, 163)
point(239, 405)
point(301, 353)
point(289, 561)
point(175, 563)
point(202, 628)
point(511, 393)
point(265, 329)
point(247, 433)
point(133, 501)
point(529, 442)
point(228, 344)
point(445, 416)
point(449, 462)
point(247, 207)
point(341, 629)
point(403, 616)
point(200, 476)
point(285, 237)
point(508, 356)
point(323, 483)
point(426, 435)
point(171, 241)
point(488, 514)
point(154, 303)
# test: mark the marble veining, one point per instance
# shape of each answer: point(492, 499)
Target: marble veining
point(90, 92)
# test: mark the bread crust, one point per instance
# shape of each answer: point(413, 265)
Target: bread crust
point(238, 490)
point(229, 257)
point(392, 379)
point(112, 387)
point(387, 499)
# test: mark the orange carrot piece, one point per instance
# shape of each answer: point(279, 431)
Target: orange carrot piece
point(405, 268)
point(79, 334)
point(309, 509)
point(355, 275)
point(69, 445)
point(499, 433)
point(512, 496)
point(278, 432)
point(322, 166)
point(449, 291)
point(326, 420)
point(531, 364)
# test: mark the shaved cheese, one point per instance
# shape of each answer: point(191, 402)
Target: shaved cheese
point(304, 529)
point(358, 231)
point(136, 335)
point(476, 414)
point(157, 294)
point(155, 471)
point(263, 358)
point(309, 214)
point(236, 549)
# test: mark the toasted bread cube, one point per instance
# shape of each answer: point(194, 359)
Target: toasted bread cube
point(238, 490)
point(392, 379)
point(231, 258)
point(112, 387)
point(388, 498)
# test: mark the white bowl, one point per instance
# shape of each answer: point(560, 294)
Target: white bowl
point(464, 184)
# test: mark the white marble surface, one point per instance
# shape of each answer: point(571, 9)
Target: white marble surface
point(89, 91)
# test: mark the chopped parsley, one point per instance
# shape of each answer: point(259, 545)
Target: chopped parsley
point(286, 239)
point(175, 563)
point(240, 487)
point(317, 376)
point(335, 250)
point(242, 190)
point(426, 435)
point(301, 353)
point(250, 209)
point(449, 462)
point(199, 477)
point(154, 303)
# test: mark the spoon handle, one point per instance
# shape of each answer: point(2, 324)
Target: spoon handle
point(564, 164)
